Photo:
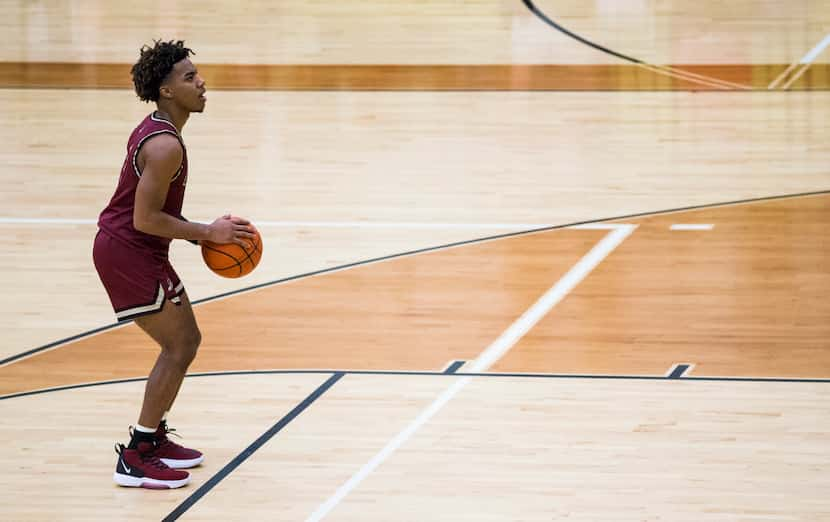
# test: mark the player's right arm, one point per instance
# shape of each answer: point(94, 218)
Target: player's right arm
point(159, 160)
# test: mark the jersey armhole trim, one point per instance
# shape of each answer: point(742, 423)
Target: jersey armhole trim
point(136, 170)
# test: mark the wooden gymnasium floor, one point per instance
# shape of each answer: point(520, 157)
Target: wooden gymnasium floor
point(551, 260)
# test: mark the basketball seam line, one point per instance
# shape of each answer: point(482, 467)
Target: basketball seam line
point(237, 263)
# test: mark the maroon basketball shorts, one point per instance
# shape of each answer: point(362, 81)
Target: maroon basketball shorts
point(137, 282)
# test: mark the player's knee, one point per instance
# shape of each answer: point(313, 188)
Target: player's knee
point(195, 340)
point(183, 350)
point(190, 345)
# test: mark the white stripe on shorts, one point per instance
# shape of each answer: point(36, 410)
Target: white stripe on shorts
point(123, 314)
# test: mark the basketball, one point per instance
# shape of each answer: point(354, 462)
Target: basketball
point(231, 260)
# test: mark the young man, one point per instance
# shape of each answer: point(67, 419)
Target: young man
point(130, 254)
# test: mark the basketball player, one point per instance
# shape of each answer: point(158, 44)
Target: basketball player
point(130, 255)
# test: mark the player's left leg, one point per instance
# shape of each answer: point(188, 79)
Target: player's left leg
point(178, 335)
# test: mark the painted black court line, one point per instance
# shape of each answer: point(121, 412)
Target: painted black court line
point(426, 374)
point(678, 371)
point(421, 251)
point(57, 343)
point(250, 450)
point(549, 21)
point(545, 18)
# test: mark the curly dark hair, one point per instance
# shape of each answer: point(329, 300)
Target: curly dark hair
point(154, 65)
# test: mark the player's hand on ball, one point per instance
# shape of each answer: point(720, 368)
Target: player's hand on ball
point(231, 229)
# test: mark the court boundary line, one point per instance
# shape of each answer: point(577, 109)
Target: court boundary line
point(658, 69)
point(57, 344)
point(553, 296)
point(252, 448)
point(691, 227)
point(467, 91)
point(563, 286)
point(803, 64)
point(418, 373)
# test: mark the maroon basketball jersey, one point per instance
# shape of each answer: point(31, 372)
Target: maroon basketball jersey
point(117, 218)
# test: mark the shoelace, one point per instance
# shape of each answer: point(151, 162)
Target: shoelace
point(165, 442)
point(171, 431)
point(152, 460)
point(146, 458)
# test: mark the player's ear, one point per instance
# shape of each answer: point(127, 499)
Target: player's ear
point(165, 91)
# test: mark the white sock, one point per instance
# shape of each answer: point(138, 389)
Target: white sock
point(144, 429)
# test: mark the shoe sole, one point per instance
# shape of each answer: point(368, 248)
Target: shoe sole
point(183, 464)
point(129, 481)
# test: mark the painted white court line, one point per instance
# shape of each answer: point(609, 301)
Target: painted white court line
point(338, 224)
point(304, 224)
point(778, 79)
point(551, 298)
point(692, 226)
point(693, 77)
point(321, 272)
point(409, 225)
point(396, 442)
point(804, 64)
point(795, 76)
point(595, 226)
point(45, 221)
point(486, 359)
point(815, 51)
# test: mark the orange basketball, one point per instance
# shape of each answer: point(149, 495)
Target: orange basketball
point(231, 260)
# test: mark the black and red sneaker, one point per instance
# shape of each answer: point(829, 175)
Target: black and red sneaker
point(172, 454)
point(141, 468)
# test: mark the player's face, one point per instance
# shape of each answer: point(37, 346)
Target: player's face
point(187, 86)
